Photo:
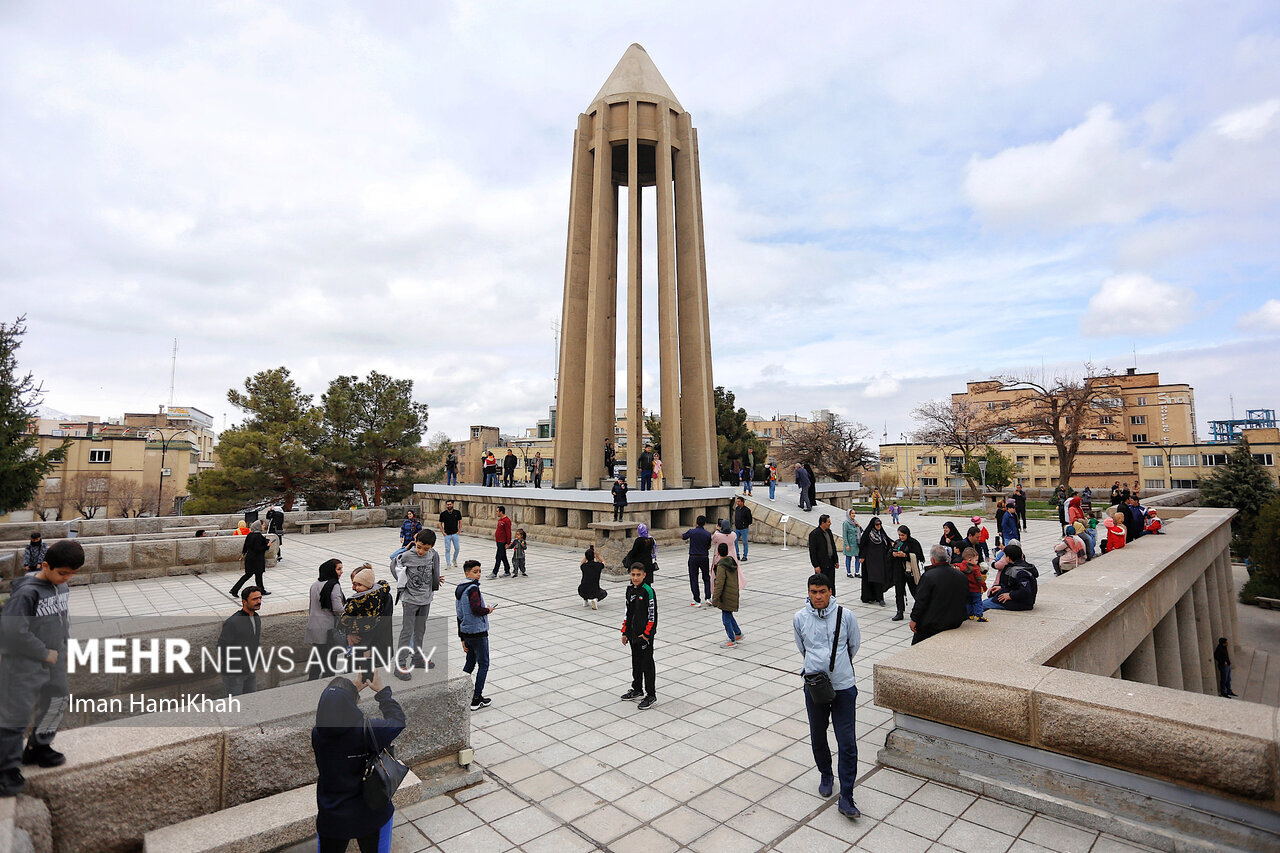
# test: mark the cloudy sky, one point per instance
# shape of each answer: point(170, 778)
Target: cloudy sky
point(896, 199)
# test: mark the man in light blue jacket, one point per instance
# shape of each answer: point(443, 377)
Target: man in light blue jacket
point(817, 634)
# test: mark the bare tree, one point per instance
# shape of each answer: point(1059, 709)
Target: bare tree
point(1064, 410)
point(150, 497)
point(885, 481)
point(835, 447)
point(126, 493)
point(87, 493)
point(957, 424)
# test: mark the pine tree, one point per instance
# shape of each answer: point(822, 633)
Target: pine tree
point(22, 466)
point(1243, 485)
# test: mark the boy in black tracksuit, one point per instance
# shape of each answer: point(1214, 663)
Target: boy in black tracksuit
point(638, 630)
point(34, 627)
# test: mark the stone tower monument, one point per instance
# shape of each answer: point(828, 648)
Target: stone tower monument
point(635, 134)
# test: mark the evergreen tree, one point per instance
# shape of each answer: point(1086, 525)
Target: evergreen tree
point(733, 439)
point(1000, 469)
point(1265, 580)
point(22, 467)
point(373, 435)
point(1244, 485)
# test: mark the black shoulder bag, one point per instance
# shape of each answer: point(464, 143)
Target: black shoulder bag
point(383, 772)
point(818, 684)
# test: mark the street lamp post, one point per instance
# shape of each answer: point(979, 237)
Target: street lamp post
point(920, 477)
point(982, 469)
point(907, 465)
point(164, 450)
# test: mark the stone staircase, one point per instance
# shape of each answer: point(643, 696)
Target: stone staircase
point(768, 514)
point(1255, 676)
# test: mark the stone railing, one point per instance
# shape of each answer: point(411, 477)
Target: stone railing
point(1100, 704)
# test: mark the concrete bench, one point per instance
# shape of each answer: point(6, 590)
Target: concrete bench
point(1269, 603)
point(270, 823)
point(329, 524)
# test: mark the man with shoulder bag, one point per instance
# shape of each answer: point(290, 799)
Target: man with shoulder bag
point(827, 636)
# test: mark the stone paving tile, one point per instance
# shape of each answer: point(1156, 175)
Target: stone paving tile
point(921, 820)
point(646, 839)
point(761, 823)
point(1056, 835)
point(684, 824)
point(886, 838)
point(998, 816)
point(942, 798)
point(809, 840)
point(482, 839)
point(525, 825)
point(562, 840)
point(448, 823)
point(722, 839)
point(607, 823)
point(967, 836)
point(499, 804)
point(406, 838)
point(1112, 844)
point(646, 803)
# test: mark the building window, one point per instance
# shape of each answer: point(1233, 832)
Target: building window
point(1138, 420)
point(1140, 401)
point(1152, 461)
point(929, 460)
point(1183, 460)
point(1005, 404)
point(991, 404)
point(928, 481)
point(1106, 419)
point(97, 484)
point(1186, 484)
point(955, 464)
point(1263, 459)
point(53, 484)
point(1153, 484)
point(1139, 438)
point(1025, 460)
point(1209, 460)
point(99, 455)
point(886, 460)
point(1053, 460)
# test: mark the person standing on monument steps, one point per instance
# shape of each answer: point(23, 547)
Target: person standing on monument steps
point(646, 468)
point(803, 483)
point(813, 485)
point(450, 519)
point(451, 468)
point(539, 464)
point(619, 497)
point(502, 538)
point(509, 463)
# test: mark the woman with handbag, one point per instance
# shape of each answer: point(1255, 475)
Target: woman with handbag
point(352, 796)
point(327, 602)
point(907, 558)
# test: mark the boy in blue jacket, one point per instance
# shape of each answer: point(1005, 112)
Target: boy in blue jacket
point(473, 630)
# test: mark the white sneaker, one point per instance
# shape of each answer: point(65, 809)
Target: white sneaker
point(586, 603)
point(593, 604)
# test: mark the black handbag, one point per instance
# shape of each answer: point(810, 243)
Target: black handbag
point(818, 684)
point(383, 772)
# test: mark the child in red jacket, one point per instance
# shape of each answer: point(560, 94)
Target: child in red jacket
point(977, 582)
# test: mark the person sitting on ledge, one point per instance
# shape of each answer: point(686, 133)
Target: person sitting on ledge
point(1015, 587)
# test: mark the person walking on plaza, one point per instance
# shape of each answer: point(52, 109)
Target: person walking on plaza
point(802, 481)
point(725, 594)
point(417, 574)
point(451, 468)
point(473, 630)
point(873, 548)
point(852, 531)
point(35, 625)
point(450, 520)
point(275, 527)
point(875, 501)
point(646, 468)
point(905, 558)
point(644, 550)
point(773, 480)
point(1222, 662)
point(33, 554)
point(813, 485)
point(619, 497)
point(509, 463)
point(238, 644)
point(326, 602)
point(539, 465)
point(639, 628)
point(827, 636)
point(254, 555)
point(895, 511)
point(941, 598)
point(823, 555)
point(723, 533)
point(341, 740)
point(589, 589)
point(699, 540)
point(1020, 506)
point(502, 538)
point(742, 527)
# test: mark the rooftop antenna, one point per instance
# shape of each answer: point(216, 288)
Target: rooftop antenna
point(173, 371)
point(555, 329)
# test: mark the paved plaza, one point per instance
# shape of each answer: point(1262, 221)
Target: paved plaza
point(722, 762)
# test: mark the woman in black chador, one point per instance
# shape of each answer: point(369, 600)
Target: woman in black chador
point(874, 550)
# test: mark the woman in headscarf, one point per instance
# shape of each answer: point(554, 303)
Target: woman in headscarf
point(643, 551)
point(327, 602)
point(366, 620)
point(874, 547)
point(951, 539)
point(813, 485)
point(410, 528)
point(254, 555)
point(342, 739)
point(589, 589)
point(723, 533)
point(904, 578)
point(852, 536)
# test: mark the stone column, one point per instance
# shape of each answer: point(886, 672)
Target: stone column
point(602, 298)
point(1215, 602)
point(635, 305)
point(668, 309)
point(573, 319)
point(1140, 665)
point(1204, 637)
point(697, 407)
point(1168, 653)
point(1227, 594)
point(1188, 643)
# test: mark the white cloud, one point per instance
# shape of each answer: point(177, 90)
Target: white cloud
point(1265, 318)
point(1137, 305)
point(882, 386)
point(1250, 123)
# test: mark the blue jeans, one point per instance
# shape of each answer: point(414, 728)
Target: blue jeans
point(730, 624)
point(975, 604)
point(478, 660)
point(773, 487)
point(454, 541)
point(741, 540)
point(646, 480)
point(841, 713)
point(451, 478)
point(1224, 679)
point(991, 604)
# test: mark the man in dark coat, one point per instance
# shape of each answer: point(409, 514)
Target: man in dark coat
point(509, 463)
point(813, 486)
point(1135, 518)
point(1015, 587)
point(823, 555)
point(941, 598)
point(238, 644)
point(1020, 504)
point(803, 482)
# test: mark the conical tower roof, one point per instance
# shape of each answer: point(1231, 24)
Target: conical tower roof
point(635, 72)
